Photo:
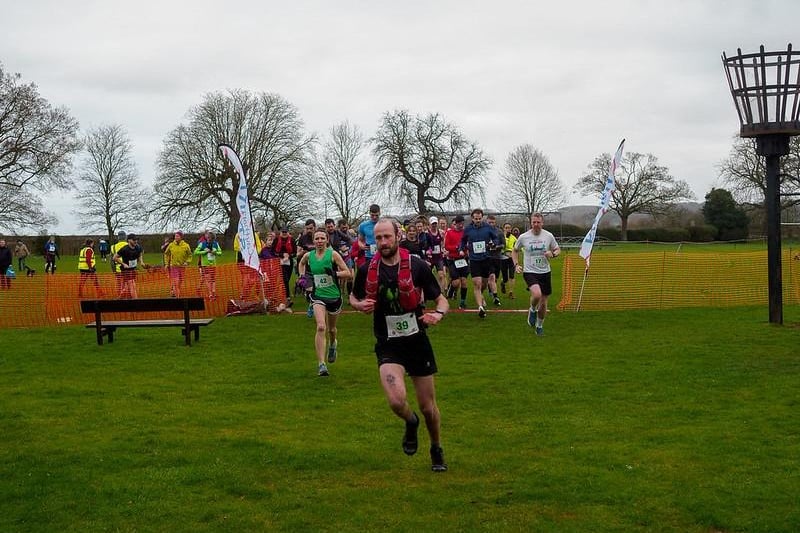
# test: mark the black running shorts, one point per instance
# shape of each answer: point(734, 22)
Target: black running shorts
point(332, 305)
point(414, 353)
point(456, 272)
point(481, 269)
point(542, 280)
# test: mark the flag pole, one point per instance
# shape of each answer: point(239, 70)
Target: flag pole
point(247, 234)
point(261, 275)
point(605, 199)
point(580, 296)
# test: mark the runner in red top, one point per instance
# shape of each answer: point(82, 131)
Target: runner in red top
point(457, 265)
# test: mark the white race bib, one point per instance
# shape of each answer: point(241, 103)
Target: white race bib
point(133, 263)
point(479, 247)
point(436, 249)
point(460, 263)
point(539, 260)
point(402, 325)
point(286, 261)
point(210, 256)
point(373, 249)
point(322, 281)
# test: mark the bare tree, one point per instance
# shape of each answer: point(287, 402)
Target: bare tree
point(425, 160)
point(344, 173)
point(745, 173)
point(19, 209)
point(642, 186)
point(37, 142)
point(196, 185)
point(110, 195)
point(529, 182)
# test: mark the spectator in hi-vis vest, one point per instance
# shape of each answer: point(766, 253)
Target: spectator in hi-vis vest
point(87, 267)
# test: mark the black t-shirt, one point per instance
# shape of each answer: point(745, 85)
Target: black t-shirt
point(413, 247)
point(306, 241)
point(388, 293)
point(130, 256)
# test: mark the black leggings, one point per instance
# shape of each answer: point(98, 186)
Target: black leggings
point(507, 269)
point(286, 271)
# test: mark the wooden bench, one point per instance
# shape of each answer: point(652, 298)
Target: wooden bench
point(145, 305)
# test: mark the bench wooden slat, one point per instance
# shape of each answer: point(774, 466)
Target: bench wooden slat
point(151, 323)
point(143, 305)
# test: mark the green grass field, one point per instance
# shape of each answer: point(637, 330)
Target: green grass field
point(617, 421)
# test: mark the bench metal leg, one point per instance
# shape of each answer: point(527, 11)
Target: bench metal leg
point(99, 325)
point(187, 328)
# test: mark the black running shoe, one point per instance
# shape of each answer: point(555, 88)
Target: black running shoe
point(481, 311)
point(437, 459)
point(410, 442)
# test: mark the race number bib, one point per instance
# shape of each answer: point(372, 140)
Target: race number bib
point(436, 249)
point(286, 261)
point(133, 263)
point(479, 247)
point(322, 281)
point(373, 249)
point(210, 256)
point(460, 263)
point(539, 260)
point(402, 325)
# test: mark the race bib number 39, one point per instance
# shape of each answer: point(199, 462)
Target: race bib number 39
point(402, 325)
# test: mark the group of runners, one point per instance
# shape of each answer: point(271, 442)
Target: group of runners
point(402, 267)
point(386, 269)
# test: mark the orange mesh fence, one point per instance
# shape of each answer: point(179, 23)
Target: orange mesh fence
point(666, 280)
point(55, 299)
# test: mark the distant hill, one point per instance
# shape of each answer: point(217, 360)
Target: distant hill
point(583, 215)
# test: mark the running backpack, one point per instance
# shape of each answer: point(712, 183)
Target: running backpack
point(410, 296)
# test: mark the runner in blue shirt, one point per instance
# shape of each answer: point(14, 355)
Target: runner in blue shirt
point(366, 232)
point(477, 240)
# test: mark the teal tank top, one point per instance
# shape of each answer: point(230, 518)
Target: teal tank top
point(325, 285)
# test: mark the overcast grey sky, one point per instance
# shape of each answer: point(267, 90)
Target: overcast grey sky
point(571, 78)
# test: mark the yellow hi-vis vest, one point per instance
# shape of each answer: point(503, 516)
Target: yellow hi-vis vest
point(82, 264)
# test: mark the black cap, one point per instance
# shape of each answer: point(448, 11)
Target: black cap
point(459, 218)
point(285, 228)
point(132, 237)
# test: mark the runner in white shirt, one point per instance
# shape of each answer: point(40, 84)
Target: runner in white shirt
point(538, 246)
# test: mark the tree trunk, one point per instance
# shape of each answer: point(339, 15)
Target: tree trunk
point(229, 234)
point(624, 227)
point(421, 201)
